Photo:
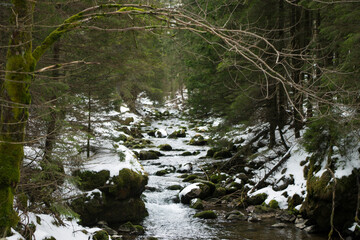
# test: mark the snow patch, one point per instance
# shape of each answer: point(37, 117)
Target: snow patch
point(188, 189)
point(46, 229)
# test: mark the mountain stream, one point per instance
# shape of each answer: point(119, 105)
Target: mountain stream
point(171, 220)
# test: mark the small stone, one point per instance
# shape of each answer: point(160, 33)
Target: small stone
point(279, 225)
point(254, 218)
point(235, 215)
point(285, 217)
point(102, 223)
point(310, 229)
point(116, 237)
point(300, 223)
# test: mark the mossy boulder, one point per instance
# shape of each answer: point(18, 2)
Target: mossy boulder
point(211, 185)
point(233, 187)
point(219, 192)
point(129, 228)
point(147, 155)
point(101, 235)
point(175, 187)
point(165, 147)
point(210, 153)
point(89, 180)
point(256, 199)
point(165, 171)
point(119, 138)
point(222, 154)
point(317, 206)
point(116, 212)
point(151, 133)
point(127, 184)
point(89, 207)
point(132, 131)
point(206, 215)
point(197, 203)
point(198, 140)
point(186, 154)
point(178, 134)
point(274, 204)
point(216, 178)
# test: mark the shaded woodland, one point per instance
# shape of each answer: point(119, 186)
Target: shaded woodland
point(283, 62)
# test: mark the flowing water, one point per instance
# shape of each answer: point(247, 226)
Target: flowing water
point(170, 220)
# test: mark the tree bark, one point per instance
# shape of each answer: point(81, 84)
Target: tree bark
point(15, 98)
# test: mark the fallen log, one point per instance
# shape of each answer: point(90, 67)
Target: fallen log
point(282, 160)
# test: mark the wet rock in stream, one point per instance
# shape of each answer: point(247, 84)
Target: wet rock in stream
point(195, 190)
point(206, 214)
point(148, 155)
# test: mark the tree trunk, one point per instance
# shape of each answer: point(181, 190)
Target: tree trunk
point(296, 65)
point(51, 129)
point(15, 98)
point(281, 98)
point(89, 125)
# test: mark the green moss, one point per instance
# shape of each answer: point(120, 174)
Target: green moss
point(257, 199)
point(161, 172)
point(319, 186)
point(294, 201)
point(90, 180)
point(10, 158)
point(178, 134)
point(273, 204)
point(198, 140)
point(186, 154)
point(197, 204)
point(128, 184)
point(101, 235)
point(8, 217)
point(219, 192)
point(139, 229)
point(146, 155)
point(206, 215)
point(125, 9)
point(190, 178)
point(216, 178)
point(165, 147)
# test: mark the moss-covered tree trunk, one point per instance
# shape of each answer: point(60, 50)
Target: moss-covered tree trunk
point(15, 98)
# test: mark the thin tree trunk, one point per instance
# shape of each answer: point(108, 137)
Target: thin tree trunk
point(15, 98)
point(296, 64)
point(89, 125)
point(51, 129)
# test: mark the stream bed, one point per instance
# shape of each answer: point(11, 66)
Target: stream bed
point(169, 219)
